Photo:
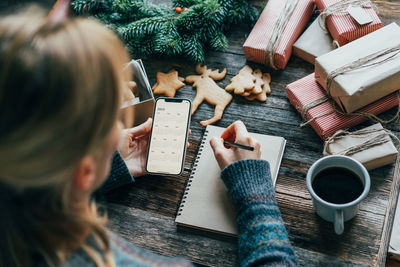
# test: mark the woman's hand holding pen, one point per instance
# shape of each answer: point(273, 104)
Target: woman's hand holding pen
point(237, 133)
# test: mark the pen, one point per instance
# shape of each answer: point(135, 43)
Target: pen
point(227, 143)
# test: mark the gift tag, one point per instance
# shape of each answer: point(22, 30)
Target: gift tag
point(359, 14)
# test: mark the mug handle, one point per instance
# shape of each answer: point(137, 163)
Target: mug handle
point(339, 223)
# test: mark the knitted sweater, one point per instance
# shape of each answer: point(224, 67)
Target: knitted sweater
point(263, 240)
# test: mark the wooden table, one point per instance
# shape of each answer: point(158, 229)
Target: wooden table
point(144, 212)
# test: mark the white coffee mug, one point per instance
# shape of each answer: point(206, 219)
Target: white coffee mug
point(331, 212)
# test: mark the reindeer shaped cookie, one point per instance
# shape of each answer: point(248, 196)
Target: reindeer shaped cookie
point(208, 90)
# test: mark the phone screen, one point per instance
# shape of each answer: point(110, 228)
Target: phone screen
point(171, 119)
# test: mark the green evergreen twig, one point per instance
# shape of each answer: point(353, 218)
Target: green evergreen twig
point(152, 30)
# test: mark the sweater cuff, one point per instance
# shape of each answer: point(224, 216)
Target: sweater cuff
point(246, 179)
point(119, 175)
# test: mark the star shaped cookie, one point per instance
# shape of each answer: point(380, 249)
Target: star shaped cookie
point(168, 83)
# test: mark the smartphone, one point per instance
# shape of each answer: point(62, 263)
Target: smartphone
point(169, 134)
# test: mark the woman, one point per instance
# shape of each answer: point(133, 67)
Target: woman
point(60, 92)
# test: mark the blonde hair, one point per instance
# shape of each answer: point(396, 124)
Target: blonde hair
point(60, 88)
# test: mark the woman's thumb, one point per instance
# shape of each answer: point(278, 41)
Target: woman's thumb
point(217, 144)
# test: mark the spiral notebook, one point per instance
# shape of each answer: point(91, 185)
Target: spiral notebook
point(206, 204)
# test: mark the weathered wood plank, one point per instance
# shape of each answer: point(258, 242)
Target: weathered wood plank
point(145, 212)
point(305, 228)
point(159, 233)
point(391, 208)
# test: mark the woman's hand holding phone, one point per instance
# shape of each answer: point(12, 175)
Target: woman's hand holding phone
point(237, 133)
point(169, 135)
point(133, 147)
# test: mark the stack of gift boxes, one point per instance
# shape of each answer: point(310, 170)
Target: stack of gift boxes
point(357, 66)
point(357, 73)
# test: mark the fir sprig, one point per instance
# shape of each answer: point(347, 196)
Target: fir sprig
point(149, 29)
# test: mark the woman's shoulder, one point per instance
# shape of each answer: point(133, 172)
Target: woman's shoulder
point(126, 254)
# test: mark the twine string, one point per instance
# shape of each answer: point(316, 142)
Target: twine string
point(362, 63)
point(335, 44)
point(313, 104)
point(375, 141)
point(336, 109)
point(279, 27)
point(341, 7)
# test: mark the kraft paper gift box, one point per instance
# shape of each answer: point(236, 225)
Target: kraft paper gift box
point(140, 108)
point(314, 42)
point(343, 27)
point(326, 120)
point(377, 77)
point(278, 27)
point(372, 146)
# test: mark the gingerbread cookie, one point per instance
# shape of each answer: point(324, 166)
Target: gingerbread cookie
point(168, 83)
point(243, 81)
point(258, 84)
point(208, 90)
point(266, 89)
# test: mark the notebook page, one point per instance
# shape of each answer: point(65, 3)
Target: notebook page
point(207, 204)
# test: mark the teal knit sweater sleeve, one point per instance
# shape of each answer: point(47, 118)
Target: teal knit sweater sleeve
point(119, 175)
point(262, 237)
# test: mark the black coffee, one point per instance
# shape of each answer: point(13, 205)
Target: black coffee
point(337, 185)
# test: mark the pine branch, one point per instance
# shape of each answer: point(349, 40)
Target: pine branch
point(91, 6)
point(146, 26)
point(193, 48)
point(139, 9)
point(188, 21)
point(149, 29)
point(219, 42)
point(213, 12)
point(109, 18)
point(252, 15)
point(186, 3)
point(242, 11)
point(173, 41)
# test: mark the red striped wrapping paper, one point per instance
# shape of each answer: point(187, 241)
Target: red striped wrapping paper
point(257, 41)
point(343, 27)
point(307, 90)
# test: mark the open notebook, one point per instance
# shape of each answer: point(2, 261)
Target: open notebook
point(206, 203)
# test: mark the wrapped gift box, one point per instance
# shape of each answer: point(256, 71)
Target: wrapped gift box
point(307, 90)
point(343, 27)
point(375, 155)
point(357, 88)
point(140, 108)
point(314, 42)
point(256, 43)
